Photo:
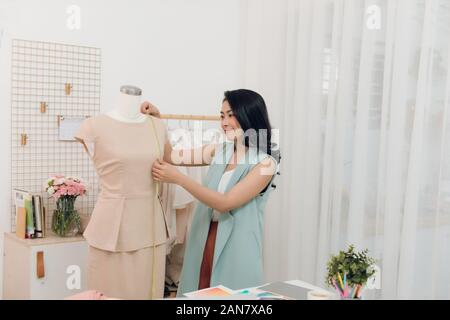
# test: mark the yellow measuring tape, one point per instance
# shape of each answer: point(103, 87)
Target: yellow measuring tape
point(157, 188)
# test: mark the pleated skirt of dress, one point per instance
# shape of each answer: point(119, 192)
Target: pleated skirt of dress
point(127, 275)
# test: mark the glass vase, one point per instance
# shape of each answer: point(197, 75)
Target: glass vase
point(66, 222)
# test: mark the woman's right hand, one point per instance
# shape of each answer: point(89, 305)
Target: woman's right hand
point(150, 109)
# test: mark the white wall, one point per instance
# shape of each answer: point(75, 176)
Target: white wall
point(183, 54)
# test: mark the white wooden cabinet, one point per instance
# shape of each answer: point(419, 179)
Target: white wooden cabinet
point(61, 271)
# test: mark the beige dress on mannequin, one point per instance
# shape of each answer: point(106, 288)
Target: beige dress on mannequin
point(127, 231)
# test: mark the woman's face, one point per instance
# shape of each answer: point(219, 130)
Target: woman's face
point(229, 123)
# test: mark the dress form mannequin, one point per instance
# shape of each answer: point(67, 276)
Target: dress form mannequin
point(128, 105)
point(127, 109)
point(127, 226)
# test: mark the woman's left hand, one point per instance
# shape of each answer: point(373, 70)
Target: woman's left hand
point(165, 172)
point(150, 109)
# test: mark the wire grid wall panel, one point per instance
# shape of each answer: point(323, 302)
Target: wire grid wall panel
point(39, 73)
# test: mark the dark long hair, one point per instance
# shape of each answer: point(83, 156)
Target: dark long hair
point(250, 111)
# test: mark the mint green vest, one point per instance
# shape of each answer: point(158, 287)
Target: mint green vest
point(238, 249)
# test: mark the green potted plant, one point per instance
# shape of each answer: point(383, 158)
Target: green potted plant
point(349, 271)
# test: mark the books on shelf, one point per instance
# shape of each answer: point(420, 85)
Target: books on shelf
point(38, 216)
point(21, 214)
point(30, 215)
point(29, 230)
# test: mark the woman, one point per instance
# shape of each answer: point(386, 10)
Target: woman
point(225, 241)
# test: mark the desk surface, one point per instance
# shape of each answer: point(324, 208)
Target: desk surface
point(253, 293)
point(50, 238)
point(298, 283)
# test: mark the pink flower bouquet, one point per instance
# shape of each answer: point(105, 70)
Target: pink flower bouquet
point(58, 186)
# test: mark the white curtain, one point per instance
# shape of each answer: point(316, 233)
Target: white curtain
point(360, 91)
